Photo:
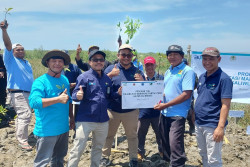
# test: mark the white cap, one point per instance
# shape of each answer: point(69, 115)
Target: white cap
point(16, 45)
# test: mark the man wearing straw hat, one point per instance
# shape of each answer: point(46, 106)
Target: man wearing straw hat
point(50, 99)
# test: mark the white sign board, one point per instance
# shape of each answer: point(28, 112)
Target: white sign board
point(248, 130)
point(236, 65)
point(236, 113)
point(141, 94)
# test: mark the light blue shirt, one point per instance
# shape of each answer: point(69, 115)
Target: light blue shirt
point(177, 80)
point(54, 119)
point(19, 72)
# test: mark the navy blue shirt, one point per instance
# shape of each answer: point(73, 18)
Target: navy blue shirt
point(210, 92)
point(150, 112)
point(125, 75)
point(72, 72)
point(93, 106)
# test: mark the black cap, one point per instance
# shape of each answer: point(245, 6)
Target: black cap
point(175, 48)
point(94, 52)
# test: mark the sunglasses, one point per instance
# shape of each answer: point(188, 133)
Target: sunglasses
point(18, 50)
point(96, 60)
point(126, 55)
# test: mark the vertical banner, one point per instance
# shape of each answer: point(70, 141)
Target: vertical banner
point(237, 66)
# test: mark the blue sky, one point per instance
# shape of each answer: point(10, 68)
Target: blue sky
point(62, 24)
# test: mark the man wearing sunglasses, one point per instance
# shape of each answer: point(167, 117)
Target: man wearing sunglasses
point(93, 89)
point(19, 82)
point(117, 115)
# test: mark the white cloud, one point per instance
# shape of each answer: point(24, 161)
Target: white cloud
point(208, 25)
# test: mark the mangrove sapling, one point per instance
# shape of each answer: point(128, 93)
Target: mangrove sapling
point(6, 11)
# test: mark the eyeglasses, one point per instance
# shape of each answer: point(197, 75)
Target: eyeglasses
point(96, 60)
point(18, 50)
point(126, 55)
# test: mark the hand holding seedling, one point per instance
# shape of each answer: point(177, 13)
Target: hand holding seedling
point(6, 11)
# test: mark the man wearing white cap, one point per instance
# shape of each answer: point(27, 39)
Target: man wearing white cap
point(19, 82)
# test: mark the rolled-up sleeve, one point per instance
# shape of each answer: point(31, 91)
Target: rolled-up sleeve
point(36, 95)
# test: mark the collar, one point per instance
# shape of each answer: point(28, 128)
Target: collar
point(95, 73)
point(121, 67)
point(179, 66)
point(150, 79)
point(217, 72)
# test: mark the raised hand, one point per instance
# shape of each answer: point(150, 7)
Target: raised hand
point(79, 94)
point(3, 26)
point(64, 97)
point(78, 51)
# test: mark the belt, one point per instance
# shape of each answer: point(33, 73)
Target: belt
point(18, 91)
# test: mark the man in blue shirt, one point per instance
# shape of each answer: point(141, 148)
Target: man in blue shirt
point(50, 99)
point(19, 81)
point(179, 82)
point(117, 115)
point(93, 88)
point(148, 116)
point(212, 107)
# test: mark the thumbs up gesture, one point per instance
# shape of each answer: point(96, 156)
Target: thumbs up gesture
point(63, 97)
point(79, 94)
point(115, 71)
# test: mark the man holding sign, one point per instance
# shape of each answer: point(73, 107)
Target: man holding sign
point(212, 107)
point(117, 115)
point(179, 82)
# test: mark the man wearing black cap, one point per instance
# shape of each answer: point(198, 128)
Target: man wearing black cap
point(179, 82)
point(50, 99)
point(212, 107)
point(93, 89)
point(86, 66)
point(19, 81)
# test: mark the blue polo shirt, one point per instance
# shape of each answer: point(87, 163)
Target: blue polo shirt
point(97, 90)
point(19, 72)
point(177, 80)
point(210, 92)
point(150, 112)
point(125, 75)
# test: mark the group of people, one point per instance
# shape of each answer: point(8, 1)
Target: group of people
point(100, 111)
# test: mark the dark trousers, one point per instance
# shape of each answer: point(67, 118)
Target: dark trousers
point(143, 125)
point(172, 136)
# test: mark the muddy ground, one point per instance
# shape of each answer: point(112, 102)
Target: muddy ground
point(235, 154)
